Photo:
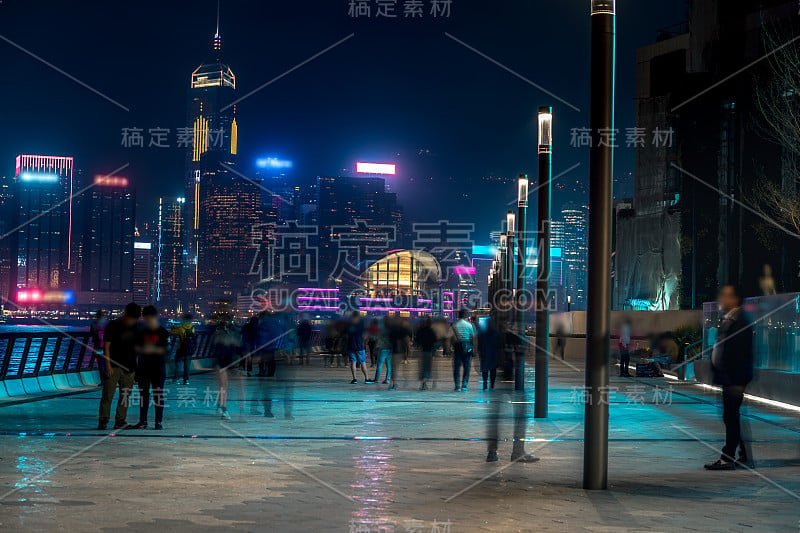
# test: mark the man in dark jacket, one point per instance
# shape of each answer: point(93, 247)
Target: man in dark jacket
point(732, 365)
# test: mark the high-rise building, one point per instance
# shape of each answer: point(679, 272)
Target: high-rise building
point(212, 120)
point(43, 237)
point(170, 255)
point(110, 211)
point(575, 253)
point(8, 252)
point(142, 272)
point(357, 217)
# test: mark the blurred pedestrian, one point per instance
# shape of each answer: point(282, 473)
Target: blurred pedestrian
point(383, 346)
point(226, 345)
point(373, 331)
point(119, 349)
point(625, 349)
point(96, 331)
point(304, 334)
point(400, 337)
point(489, 347)
point(426, 339)
point(463, 350)
point(732, 365)
point(187, 343)
point(355, 347)
point(151, 345)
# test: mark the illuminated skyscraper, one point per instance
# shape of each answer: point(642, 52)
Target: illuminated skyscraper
point(575, 238)
point(212, 120)
point(142, 272)
point(8, 252)
point(169, 253)
point(109, 236)
point(43, 237)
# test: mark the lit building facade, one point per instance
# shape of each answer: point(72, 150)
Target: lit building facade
point(575, 253)
point(43, 237)
point(108, 236)
point(170, 255)
point(142, 272)
point(8, 251)
point(212, 120)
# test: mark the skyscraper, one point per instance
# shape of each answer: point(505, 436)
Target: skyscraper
point(45, 223)
point(142, 272)
point(169, 258)
point(109, 236)
point(575, 252)
point(212, 120)
point(8, 252)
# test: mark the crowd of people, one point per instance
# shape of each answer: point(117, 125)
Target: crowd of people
point(135, 348)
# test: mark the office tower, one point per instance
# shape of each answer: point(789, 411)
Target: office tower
point(214, 132)
point(8, 252)
point(110, 210)
point(357, 219)
point(575, 218)
point(142, 272)
point(44, 221)
point(170, 255)
point(230, 209)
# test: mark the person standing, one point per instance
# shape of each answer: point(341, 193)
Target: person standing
point(383, 346)
point(732, 366)
point(426, 338)
point(355, 347)
point(151, 345)
point(463, 350)
point(401, 339)
point(187, 341)
point(226, 345)
point(119, 349)
point(625, 349)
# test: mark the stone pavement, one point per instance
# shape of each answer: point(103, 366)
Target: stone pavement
point(361, 458)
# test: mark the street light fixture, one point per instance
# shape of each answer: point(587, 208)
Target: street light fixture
point(542, 344)
point(523, 185)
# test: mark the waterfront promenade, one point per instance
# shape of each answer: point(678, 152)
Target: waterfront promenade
point(361, 458)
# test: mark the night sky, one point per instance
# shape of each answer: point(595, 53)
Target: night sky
point(399, 91)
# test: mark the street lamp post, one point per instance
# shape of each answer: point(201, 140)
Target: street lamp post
point(502, 283)
point(598, 323)
point(543, 268)
point(511, 260)
point(522, 259)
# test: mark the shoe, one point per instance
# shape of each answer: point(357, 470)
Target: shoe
point(158, 426)
point(491, 457)
point(464, 389)
point(140, 425)
point(385, 381)
point(121, 425)
point(424, 386)
point(720, 465)
point(524, 458)
point(393, 387)
point(185, 381)
point(102, 425)
point(354, 382)
point(457, 389)
point(269, 414)
point(225, 414)
point(370, 381)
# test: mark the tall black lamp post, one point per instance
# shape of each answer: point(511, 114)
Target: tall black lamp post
point(543, 267)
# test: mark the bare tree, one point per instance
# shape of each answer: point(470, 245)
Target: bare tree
point(777, 98)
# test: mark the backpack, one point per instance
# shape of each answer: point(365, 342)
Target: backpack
point(189, 342)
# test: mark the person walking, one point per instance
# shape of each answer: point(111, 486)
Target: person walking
point(119, 349)
point(489, 346)
point(226, 345)
point(355, 347)
point(732, 366)
point(383, 346)
point(151, 345)
point(400, 337)
point(426, 338)
point(463, 350)
point(187, 341)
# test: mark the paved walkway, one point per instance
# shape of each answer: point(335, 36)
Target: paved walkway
point(361, 458)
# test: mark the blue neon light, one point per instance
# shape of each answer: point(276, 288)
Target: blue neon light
point(38, 178)
point(273, 162)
